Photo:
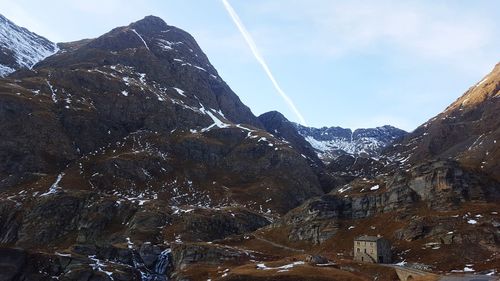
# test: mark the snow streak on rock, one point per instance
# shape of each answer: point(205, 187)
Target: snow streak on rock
point(21, 48)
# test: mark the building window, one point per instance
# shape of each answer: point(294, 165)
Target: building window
point(358, 250)
point(357, 243)
point(365, 251)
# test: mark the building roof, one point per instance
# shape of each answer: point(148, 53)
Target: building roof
point(367, 238)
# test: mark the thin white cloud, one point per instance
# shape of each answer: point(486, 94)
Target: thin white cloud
point(253, 47)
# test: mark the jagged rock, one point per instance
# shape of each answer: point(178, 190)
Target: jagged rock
point(149, 254)
point(10, 220)
point(316, 220)
point(316, 259)
point(445, 183)
point(209, 225)
point(191, 253)
point(277, 124)
point(353, 166)
point(51, 219)
point(441, 185)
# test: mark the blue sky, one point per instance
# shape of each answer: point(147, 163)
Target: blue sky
point(343, 63)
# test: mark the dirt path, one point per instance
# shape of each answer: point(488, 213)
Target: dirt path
point(278, 245)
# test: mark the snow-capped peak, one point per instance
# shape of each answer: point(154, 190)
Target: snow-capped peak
point(21, 48)
point(329, 143)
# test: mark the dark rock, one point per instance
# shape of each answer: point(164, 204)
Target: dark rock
point(149, 254)
point(209, 225)
point(12, 262)
point(315, 221)
point(316, 259)
point(191, 253)
point(276, 124)
point(414, 230)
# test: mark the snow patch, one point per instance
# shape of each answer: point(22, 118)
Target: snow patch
point(481, 82)
point(140, 37)
point(179, 91)
point(283, 268)
point(217, 122)
point(472, 221)
point(54, 188)
point(5, 70)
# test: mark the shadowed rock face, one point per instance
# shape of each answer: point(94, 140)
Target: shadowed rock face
point(276, 124)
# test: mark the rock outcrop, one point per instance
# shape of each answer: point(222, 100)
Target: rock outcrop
point(440, 186)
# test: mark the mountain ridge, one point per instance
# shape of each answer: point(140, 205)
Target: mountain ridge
point(21, 48)
point(331, 142)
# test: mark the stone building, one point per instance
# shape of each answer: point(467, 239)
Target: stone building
point(373, 249)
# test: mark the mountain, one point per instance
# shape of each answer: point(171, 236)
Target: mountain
point(118, 148)
point(277, 124)
point(468, 131)
point(21, 48)
point(435, 193)
point(331, 142)
point(127, 157)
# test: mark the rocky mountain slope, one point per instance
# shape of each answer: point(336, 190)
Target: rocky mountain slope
point(468, 131)
point(277, 124)
point(331, 142)
point(21, 48)
point(117, 148)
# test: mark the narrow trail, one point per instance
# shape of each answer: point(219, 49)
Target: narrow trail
point(278, 245)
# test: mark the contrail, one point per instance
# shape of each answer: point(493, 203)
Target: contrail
point(260, 59)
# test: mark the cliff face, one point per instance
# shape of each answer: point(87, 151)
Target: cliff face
point(437, 186)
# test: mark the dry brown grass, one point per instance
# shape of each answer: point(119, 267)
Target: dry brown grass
point(299, 272)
